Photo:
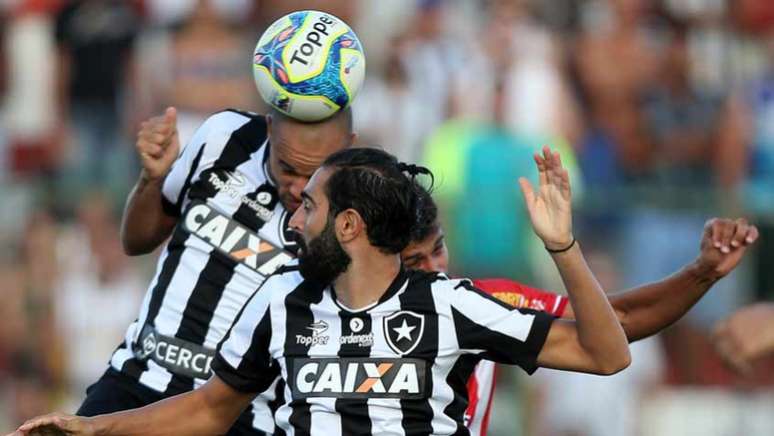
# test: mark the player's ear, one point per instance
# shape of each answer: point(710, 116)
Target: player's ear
point(269, 124)
point(352, 139)
point(349, 225)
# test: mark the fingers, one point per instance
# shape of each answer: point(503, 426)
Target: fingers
point(542, 171)
point(726, 234)
point(170, 116)
point(527, 192)
point(741, 228)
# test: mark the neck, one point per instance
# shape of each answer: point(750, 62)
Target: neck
point(366, 279)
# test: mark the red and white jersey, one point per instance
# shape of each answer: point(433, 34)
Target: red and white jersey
point(481, 384)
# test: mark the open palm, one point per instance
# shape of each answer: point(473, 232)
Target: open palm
point(550, 206)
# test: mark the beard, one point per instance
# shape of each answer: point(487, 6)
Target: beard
point(323, 259)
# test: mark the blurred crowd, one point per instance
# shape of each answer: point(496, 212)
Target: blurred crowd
point(662, 109)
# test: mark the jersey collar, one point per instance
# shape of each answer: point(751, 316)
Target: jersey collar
point(399, 283)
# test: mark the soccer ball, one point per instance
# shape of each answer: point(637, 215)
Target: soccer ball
point(308, 65)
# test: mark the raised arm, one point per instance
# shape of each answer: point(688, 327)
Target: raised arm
point(211, 409)
point(145, 224)
point(646, 310)
point(595, 342)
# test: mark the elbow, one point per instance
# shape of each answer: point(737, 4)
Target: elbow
point(133, 248)
point(615, 364)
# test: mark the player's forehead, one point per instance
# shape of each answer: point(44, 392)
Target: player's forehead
point(426, 246)
point(315, 187)
point(306, 147)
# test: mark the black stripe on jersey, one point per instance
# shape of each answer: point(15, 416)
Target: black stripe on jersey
point(465, 284)
point(418, 298)
point(251, 375)
point(458, 381)
point(299, 316)
point(279, 400)
point(243, 142)
point(177, 208)
point(357, 421)
point(500, 347)
point(175, 249)
point(247, 216)
point(219, 269)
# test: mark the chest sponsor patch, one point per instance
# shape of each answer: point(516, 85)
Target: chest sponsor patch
point(233, 239)
point(358, 378)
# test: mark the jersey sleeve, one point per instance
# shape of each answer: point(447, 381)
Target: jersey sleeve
point(243, 360)
point(497, 331)
point(200, 153)
point(519, 295)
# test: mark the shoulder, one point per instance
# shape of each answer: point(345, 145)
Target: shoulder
point(283, 281)
point(230, 120)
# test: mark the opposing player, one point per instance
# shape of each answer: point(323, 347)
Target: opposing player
point(225, 201)
point(365, 346)
point(642, 311)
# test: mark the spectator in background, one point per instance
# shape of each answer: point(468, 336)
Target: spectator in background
point(516, 56)
point(615, 62)
point(96, 50)
point(745, 160)
point(389, 111)
point(94, 274)
point(202, 67)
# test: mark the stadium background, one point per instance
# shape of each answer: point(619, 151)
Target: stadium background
point(664, 111)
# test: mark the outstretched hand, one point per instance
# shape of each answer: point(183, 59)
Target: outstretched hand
point(55, 424)
point(550, 206)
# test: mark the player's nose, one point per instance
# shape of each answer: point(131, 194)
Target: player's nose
point(296, 222)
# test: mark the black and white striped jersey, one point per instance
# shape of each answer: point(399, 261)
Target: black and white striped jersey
point(397, 367)
point(230, 235)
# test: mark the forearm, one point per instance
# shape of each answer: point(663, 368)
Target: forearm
point(145, 224)
point(645, 310)
point(191, 413)
point(592, 311)
point(183, 414)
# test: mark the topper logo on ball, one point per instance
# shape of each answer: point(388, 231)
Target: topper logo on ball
point(306, 54)
point(313, 39)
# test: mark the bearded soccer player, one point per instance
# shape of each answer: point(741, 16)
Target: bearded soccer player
point(225, 200)
point(365, 346)
point(642, 311)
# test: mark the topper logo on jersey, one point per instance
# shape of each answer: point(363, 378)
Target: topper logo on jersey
point(235, 180)
point(317, 337)
point(232, 239)
point(403, 330)
point(358, 378)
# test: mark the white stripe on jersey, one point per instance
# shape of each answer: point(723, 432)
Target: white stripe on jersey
point(485, 383)
point(490, 313)
point(237, 143)
point(323, 378)
point(213, 135)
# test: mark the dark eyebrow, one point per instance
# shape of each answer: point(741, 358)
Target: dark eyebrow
point(438, 242)
point(306, 196)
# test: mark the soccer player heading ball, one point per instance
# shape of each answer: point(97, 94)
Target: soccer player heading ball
point(364, 345)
